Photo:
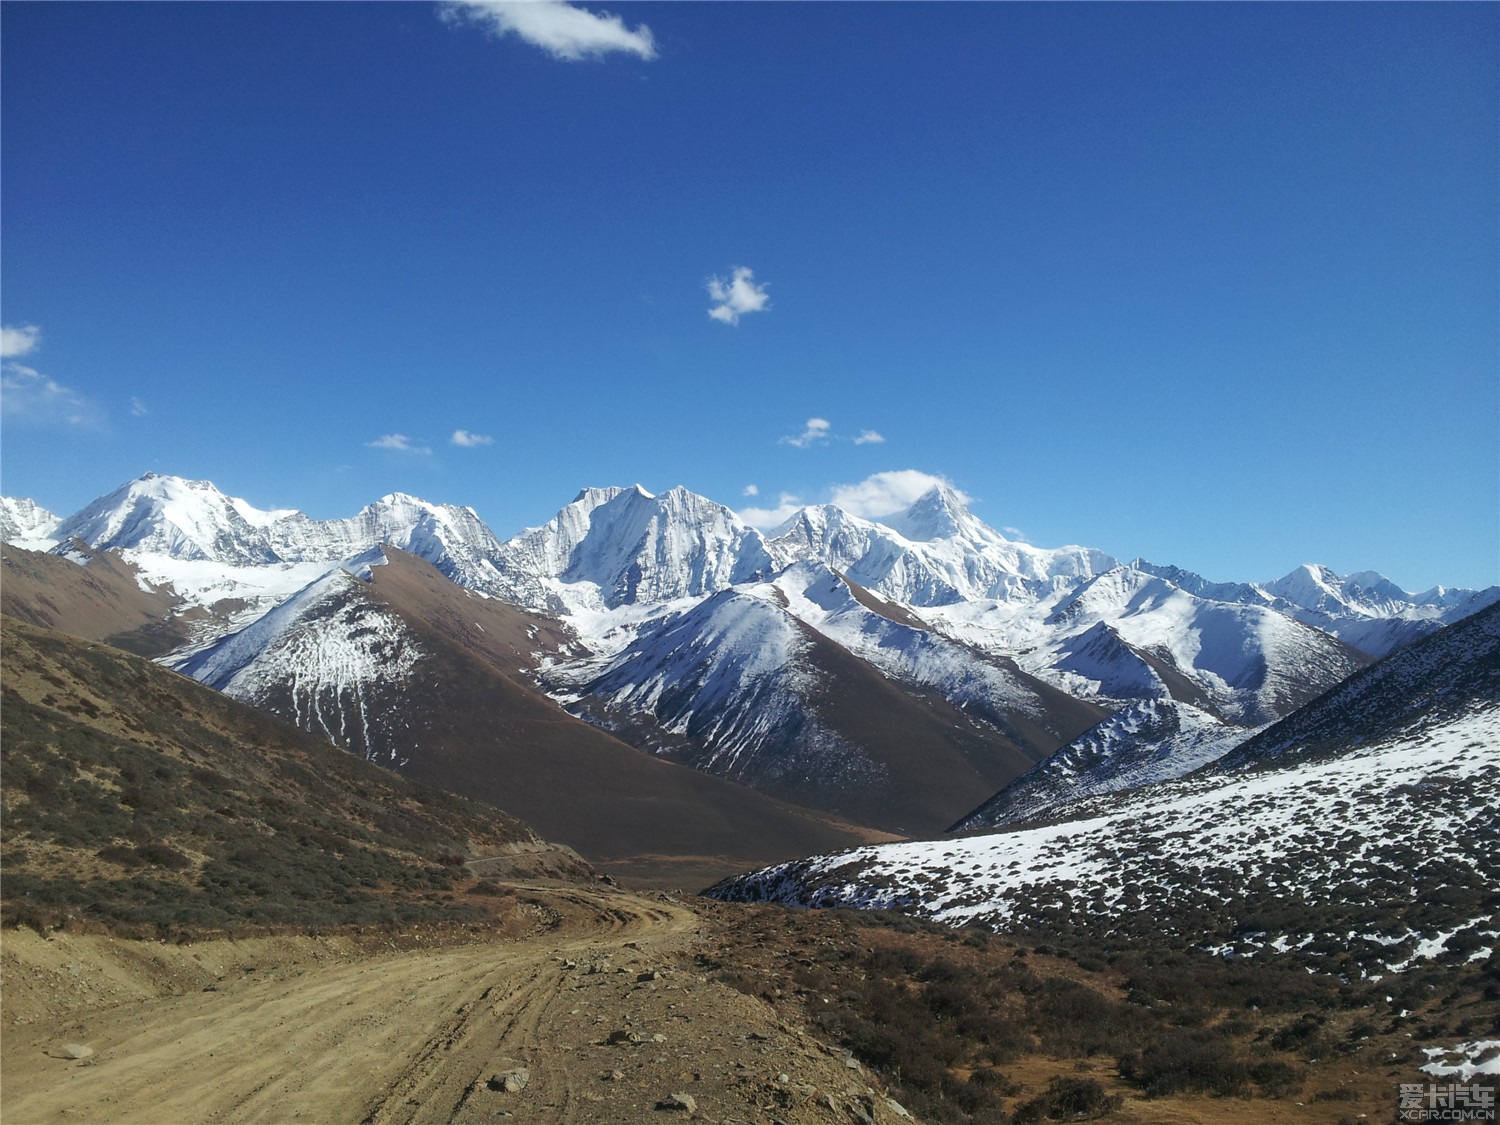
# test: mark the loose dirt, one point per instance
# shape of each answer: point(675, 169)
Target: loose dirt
point(602, 1010)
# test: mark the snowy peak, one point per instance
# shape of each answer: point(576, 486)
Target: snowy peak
point(27, 524)
point(186, 519)
point(934, 553)
point(940, 513)
point(614, 547)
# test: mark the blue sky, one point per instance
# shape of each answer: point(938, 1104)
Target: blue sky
point(1214, 285)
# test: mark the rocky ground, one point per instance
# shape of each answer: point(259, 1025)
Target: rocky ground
point(601, 1014)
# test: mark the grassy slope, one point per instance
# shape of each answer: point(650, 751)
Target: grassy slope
point(137, 798)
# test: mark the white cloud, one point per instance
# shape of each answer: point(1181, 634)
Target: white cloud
point(816, 431)
point(26, 395)
point(737, 295)
point(468, 440)
point(752, 490)
point(400, 443)
point(560, 29)
point(1015, 533)
point(885, 493)
point(869, 437)
point(20, 341)
point(138, 408)
point(766, 518)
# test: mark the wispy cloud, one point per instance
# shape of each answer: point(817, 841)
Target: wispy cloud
point(562, 30)
point(869, 437)
point(469, 441)
point(737, 295)
point(881, 494)
point(765, 518)
point(398, 443)
point(752, 490)
point(138, 408)
point(27, 395)
point(16, 342)
point(816, 431)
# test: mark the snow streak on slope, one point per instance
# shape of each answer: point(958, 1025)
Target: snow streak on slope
point(327, 650)
point(1148, 741)
point(1307, 857)
point(26, 524)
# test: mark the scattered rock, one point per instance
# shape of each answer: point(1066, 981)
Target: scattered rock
point(72, 1051)
point(511, 1081)
point(622, 1036)
point(680, 1102)
point(896, 1107)
point(651, 974)
point(614, 1076)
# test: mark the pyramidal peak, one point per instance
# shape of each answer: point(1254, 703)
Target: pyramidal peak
point(939, 513)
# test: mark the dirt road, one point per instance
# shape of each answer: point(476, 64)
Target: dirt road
point(603, 1017)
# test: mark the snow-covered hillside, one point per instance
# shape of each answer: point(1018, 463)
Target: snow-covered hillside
point(325, 657)
point(1336, 855)
point(1147, 741)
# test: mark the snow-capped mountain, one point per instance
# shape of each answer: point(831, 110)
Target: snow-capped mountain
point(182, 519)
point(392, 660)
point(1250, 664)
point(1366, 610)
point(933, 553)
point(26, 524)
point(613, 547)
point(794, 686)
point(703, 641)
point(1321, 845)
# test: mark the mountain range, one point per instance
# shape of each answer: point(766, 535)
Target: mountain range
point(1360, 831)
point(836, 676)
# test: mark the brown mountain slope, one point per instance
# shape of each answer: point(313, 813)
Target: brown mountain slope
point(100, 602)
point(467, 718)
point(134, 797)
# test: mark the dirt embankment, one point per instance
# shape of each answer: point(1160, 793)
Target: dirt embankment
point(602, 1015)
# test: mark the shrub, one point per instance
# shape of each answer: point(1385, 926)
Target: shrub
point(1183, 1061)
point(1068, 1099)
